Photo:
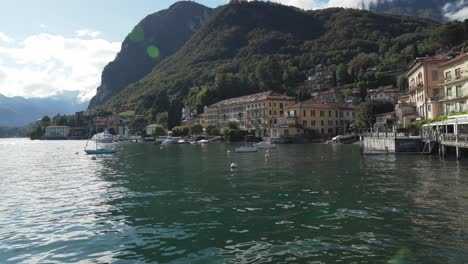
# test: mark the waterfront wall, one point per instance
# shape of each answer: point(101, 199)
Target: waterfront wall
point(379, 144)
point(393, 145)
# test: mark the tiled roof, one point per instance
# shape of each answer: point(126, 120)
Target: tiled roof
point(252, 98)
point(457, 58)
point(440, 57)
point(314, 103)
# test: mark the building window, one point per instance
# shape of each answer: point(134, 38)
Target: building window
point(458, 73)
point(435, 75)
point(336, 113)
point(322, 113)
point(459, 91)
point(274, 112)
point(281, 105)
point(329, 113)
point(461, 106)
point(274, 104)
point(448, 76)
point(312, 122)
point(436, 92)
point(281, 112)
point(322, 122)
point(269, 104)
point(429, 108)
point(270, 112)
point(449, 91)
point(304, 112)
point(347, 114)
point(304, 123)
point(312, 113)
point(354, 114)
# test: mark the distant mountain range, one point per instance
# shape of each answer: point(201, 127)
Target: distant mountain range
point(20, 111)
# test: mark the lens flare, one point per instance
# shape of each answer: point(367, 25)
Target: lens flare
point(152, 51)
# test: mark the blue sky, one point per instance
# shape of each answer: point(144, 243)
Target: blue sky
point(113, 18)
point(50, 46)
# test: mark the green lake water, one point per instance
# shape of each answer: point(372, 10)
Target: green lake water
point(183, 204)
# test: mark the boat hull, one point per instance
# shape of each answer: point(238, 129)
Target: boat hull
point(246, 149)
point(99, 151)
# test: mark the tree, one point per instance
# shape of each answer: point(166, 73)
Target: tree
point(45, 120)
point(196, 129)
point(369, 109)
point(212, 130)
point(138, 125)
point(180, 131)
point(402, 83)
point(342, 76)
point(158, 131)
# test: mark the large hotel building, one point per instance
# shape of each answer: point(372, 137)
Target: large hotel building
point(272, 114)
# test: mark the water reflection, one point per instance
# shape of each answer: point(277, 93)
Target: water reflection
point(184, 204)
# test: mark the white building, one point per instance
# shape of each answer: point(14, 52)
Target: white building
point(150, 128)
point(57, 131)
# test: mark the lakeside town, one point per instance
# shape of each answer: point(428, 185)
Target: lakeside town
point(437, 89)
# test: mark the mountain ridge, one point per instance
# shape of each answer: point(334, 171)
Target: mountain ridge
point(19, 111)
point(153, 39)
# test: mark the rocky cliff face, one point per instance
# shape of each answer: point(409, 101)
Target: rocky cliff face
point(156, 37)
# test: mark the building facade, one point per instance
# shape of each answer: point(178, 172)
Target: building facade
point(58, 132)
point(425, 77)
point(251, 112)
point(317, 117)
point(455, 85)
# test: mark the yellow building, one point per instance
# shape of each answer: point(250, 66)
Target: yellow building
point(317, 117)
point(455, 85)
point(425, 77)
point(253, 112)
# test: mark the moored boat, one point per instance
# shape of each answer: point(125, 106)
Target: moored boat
point(265, 145)
point(246, 149)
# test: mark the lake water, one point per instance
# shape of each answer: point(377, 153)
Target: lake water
point(183, 204)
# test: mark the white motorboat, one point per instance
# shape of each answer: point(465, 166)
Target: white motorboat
point(246, 149)
point(203, 141)
point(103, 137)
point(265, 145)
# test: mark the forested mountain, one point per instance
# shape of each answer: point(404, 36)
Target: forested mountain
point(156, 37)
point(20, 111)
point(247, 47)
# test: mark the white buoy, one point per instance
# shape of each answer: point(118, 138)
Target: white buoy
point(233, 165)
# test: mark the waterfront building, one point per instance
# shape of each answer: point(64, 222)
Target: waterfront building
point(425, 77)
point(56, 132)
point(255, 112)
point(389, 94)
point(405, 111)
point(150, 128)
point(315, 117)
point(455, 85)
point(384, 121)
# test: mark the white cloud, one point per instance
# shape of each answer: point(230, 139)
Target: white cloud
point(457, 10)
point(87, 33)
point(44, 64)
point(5, 38)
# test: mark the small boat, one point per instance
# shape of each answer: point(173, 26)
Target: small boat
point(104, 137)
point(182, 141)
point(203, 141)
point(99, 151)
point(265, 145)
point(246, 149)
